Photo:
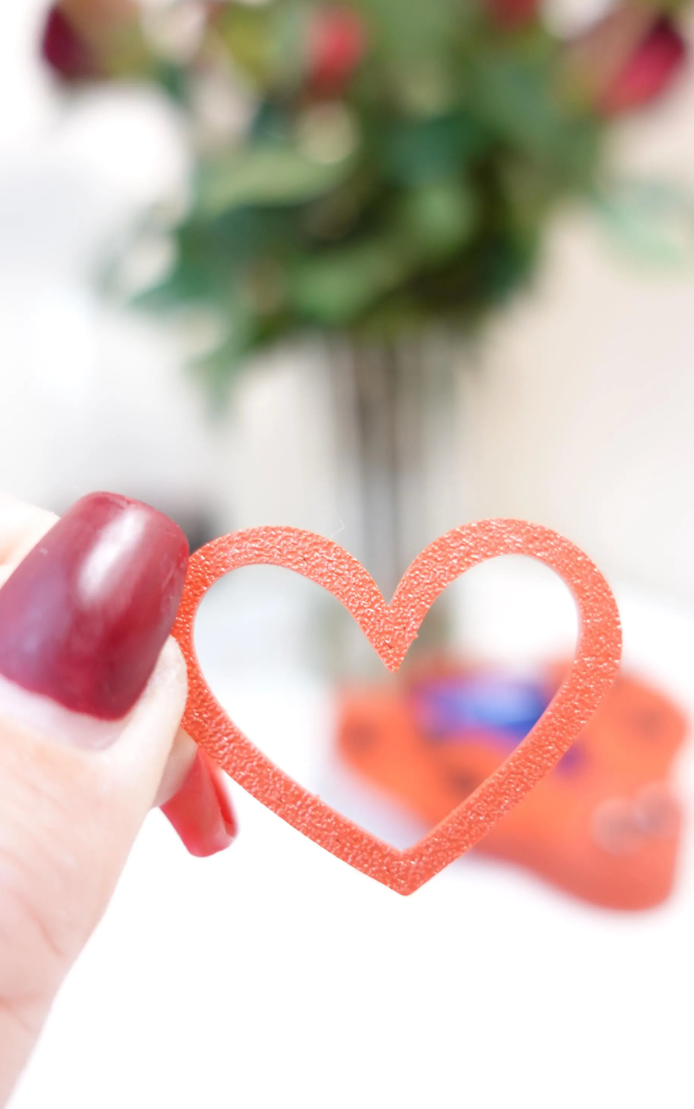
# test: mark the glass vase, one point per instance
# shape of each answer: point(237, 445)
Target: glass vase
point(396, 439)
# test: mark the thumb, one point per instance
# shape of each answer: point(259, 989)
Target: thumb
point(89, 707)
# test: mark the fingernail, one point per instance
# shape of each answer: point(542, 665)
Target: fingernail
point(84, 617)
point(201, 811)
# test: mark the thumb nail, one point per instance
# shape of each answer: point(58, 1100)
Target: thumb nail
point(84, 617)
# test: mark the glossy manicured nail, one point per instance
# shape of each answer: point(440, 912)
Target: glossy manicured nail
point(84, 617)
point(201, 811)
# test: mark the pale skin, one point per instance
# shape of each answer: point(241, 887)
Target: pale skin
point(68, 818)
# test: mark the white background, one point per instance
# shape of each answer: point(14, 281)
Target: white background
point(273, 975)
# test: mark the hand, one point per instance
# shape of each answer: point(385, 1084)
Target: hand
point(91, 694)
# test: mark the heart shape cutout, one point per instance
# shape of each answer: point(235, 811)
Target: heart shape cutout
point(391, 628)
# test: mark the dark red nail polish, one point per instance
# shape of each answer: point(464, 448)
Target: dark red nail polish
point(201, 811)
point(84, 616)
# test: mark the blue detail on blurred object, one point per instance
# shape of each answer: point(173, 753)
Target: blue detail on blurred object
point(504, 707)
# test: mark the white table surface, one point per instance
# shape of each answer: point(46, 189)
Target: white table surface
point(274, 975)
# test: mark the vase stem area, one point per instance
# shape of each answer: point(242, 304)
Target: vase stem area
point(396, 405)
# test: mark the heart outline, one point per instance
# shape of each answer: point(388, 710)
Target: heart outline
point(391, 629)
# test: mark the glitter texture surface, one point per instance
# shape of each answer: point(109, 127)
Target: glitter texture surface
point(391, 630)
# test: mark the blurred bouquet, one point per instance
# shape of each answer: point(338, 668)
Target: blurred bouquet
point(372, 167)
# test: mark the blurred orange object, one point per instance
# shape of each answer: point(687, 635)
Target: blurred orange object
point(604, 824)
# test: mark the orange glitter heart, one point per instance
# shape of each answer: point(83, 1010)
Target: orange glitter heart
point(391, 629)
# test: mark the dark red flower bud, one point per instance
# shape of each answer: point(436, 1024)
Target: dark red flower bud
point(337, 42)
point(64, 49)
point(648, 72)
point(91, 39)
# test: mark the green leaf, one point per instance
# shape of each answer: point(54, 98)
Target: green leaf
point(265, 175)
point(410, 30)
point(426, 150)
point(266, 41)
point(517, 98)
point(438, 219)
point(336, 288)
